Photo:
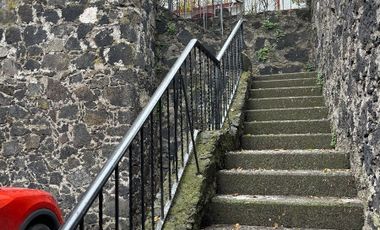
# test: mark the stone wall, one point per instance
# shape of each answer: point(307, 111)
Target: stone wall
point(74, 74)
point(348, 57)
point(279, 42)
point(174, 33)
point(287, 36)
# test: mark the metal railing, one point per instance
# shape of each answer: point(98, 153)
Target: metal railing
point(139, 180)
point(257, 6)
point(205, 11)
point(212, 8)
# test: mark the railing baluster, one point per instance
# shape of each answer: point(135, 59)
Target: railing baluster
point(142, 175)
point(214, 97)
point(117, 197)
point(81, 224)
point(169, 154)
point(152, 184)
point(185, 79)
point(180, 95)
point(175, 97)
point(196, 89)
point(162, 204)
point(201, 81)
point(192, 86)
point(191, 128)
point(208, 95)
point(100, 209)
point(130, 178)
point(230, 74)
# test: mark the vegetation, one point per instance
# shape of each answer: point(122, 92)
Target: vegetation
point(279, 33)
point(263, 53)
point(333, 139)
point(320, 79)
point(310, 67)
point(270, 25)
point(171, 28)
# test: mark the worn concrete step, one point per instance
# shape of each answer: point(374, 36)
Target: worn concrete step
point(287, 159)
point(286, 92)
point(283, 83)
point(287, 127)
point(246, 227)
point(287, 141)
point(285, 102)
point(290, 212)
point(332, 183)
point(284, 76)
point(286, 114)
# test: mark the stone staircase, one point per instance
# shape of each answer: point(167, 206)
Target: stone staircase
point(287, 174)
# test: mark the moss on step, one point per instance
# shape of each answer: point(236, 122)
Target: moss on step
point(195, 191)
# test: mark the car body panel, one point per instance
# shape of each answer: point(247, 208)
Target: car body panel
point(17, 204)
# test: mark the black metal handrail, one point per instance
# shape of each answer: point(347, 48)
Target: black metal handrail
point(195, 95)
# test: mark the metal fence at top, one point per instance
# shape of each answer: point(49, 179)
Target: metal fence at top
point(257, 6)
point(207, 10)
point(199, 9)
point(136, 186)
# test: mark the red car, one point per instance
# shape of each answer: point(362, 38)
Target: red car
point(28, 209)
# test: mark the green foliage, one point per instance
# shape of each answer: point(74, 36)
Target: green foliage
point(270, 25)
point(263, 53)
point(320, 79)
point(333, 139)
point(279, 33)
point(310, 67)
point(171, 28)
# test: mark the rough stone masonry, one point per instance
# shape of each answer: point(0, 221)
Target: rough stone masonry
point(74, 73)
point(348, 57)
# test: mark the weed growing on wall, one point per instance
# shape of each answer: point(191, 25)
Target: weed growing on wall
point(310, 67)
point(263, 53)
point(171, 28)
point(270, 25)
point(279, 33)
point(320, 79)
point(333, 139)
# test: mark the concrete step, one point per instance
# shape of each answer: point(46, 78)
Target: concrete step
point(332, 183)
point(283, 83)
point(286, 114)
point(287, 127)
point(287, 159)
point(290, 212)
point(245, 227)
point(287, 141)
point(285, 76)
point(286, 92)
point(285, 102)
